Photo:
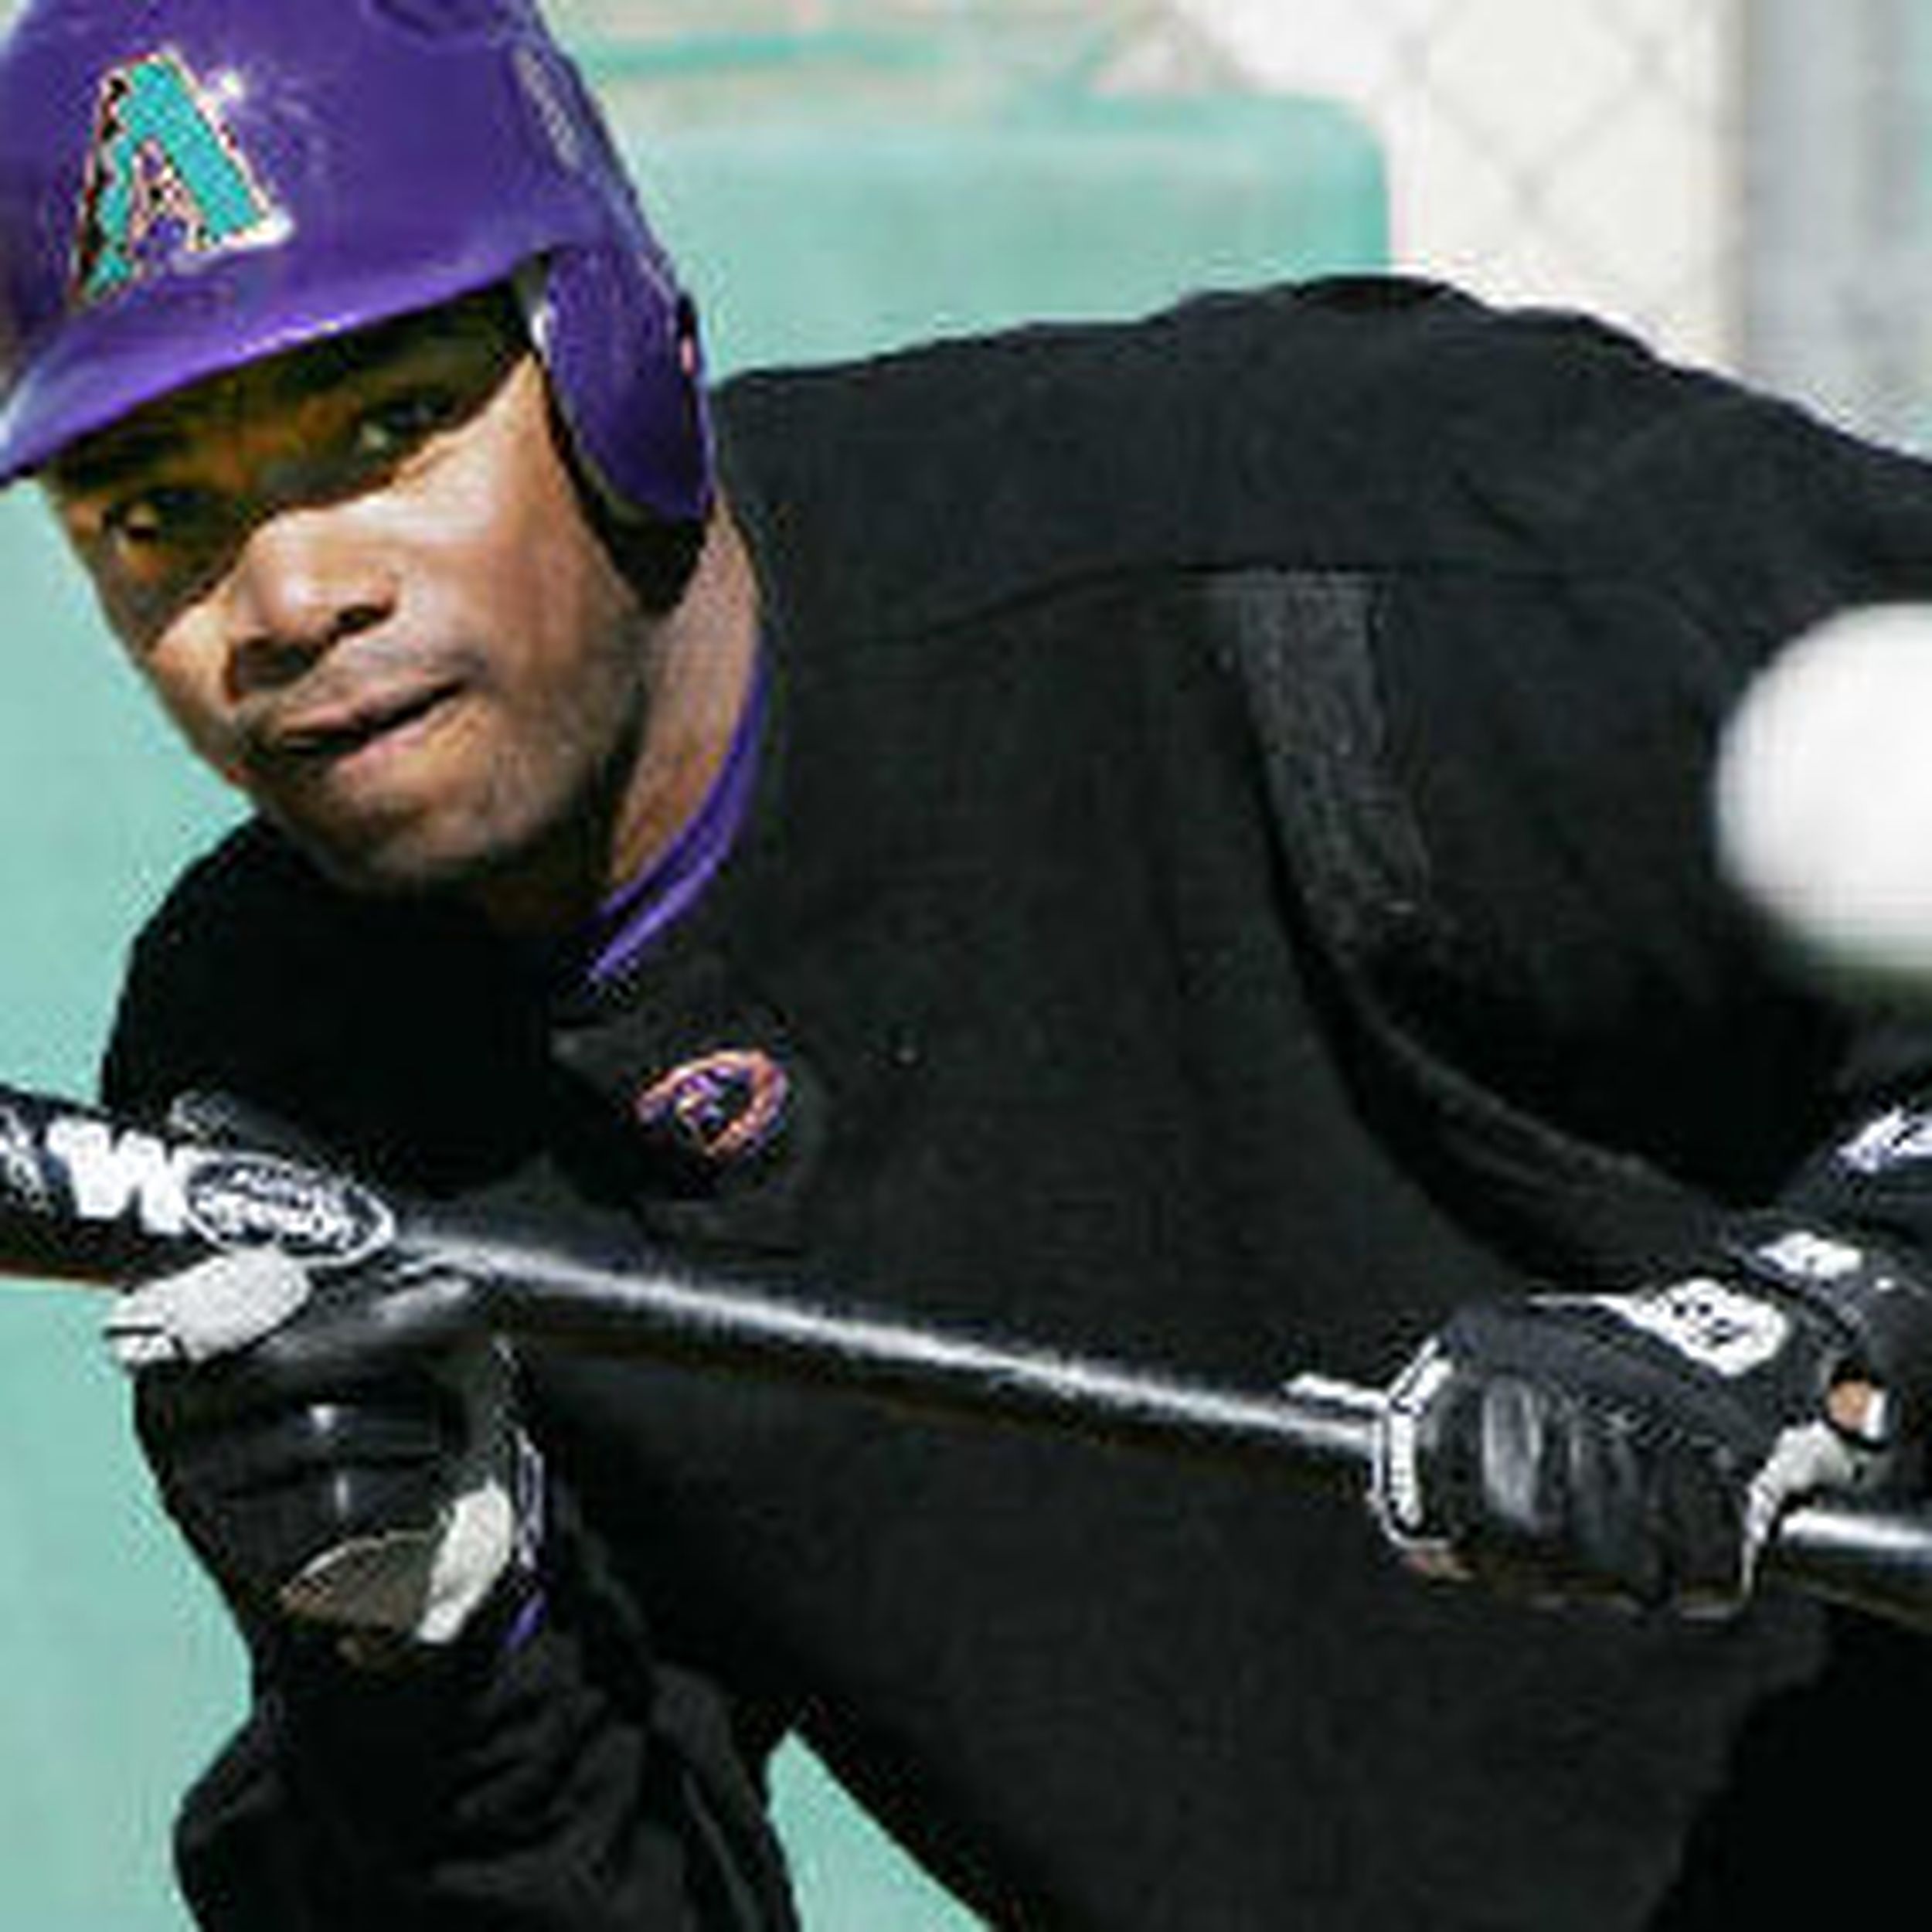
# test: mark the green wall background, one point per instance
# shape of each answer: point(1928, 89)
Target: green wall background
point(827, 196)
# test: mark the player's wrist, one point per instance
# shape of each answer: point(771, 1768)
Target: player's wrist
point(1879, 1387)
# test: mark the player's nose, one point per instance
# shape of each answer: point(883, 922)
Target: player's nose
point(305, 578)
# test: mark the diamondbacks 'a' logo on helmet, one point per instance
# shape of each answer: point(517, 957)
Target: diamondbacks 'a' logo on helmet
point(166, 180)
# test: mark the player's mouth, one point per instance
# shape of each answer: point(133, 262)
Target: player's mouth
point(323, 736)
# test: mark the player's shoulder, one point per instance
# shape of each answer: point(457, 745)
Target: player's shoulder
point(1352, 420)
point(1326, 344)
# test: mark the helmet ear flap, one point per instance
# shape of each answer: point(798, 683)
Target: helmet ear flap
point(627, 373)
point(617, 334)
point(656, 551)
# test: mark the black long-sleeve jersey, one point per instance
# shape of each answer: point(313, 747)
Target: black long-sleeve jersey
point(1229, 881)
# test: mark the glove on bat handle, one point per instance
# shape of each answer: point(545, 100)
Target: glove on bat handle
point(84, 1197)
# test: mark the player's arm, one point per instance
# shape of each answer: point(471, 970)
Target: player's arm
point(559, 1777)
point(1624, 1429)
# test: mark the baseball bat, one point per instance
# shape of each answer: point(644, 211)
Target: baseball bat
point(86, 1197)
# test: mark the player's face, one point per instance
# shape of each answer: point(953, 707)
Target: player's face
point(359, 578)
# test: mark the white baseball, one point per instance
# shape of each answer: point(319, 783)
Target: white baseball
point(1823, 796)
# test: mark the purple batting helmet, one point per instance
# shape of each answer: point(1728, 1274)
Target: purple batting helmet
point(189, 185)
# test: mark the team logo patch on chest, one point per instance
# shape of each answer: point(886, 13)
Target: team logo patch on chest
point(718, 1109)
point(167, 182)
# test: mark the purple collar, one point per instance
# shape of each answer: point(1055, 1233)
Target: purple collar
point(634, 915)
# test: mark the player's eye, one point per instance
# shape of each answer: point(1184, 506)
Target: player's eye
point(163, 517)
point(392, 428)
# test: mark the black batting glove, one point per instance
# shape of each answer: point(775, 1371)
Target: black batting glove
point(1639, 1449)
point(263, 1482)
point(385, 1499)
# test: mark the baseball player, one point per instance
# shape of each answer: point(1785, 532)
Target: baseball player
point(1186, 836)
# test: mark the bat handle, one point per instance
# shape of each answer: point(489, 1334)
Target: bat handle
point(1861, 1555)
